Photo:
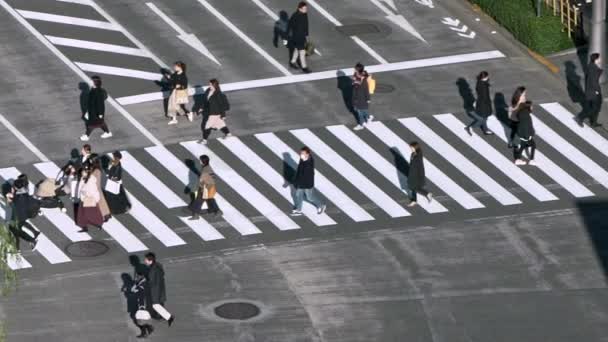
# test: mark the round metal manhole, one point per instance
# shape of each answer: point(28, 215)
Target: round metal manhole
point(237, 311)
point(87, 249)
point(384, 88)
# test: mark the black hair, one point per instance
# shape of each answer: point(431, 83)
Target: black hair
point(216, 84)
point(204, 159)
point(359, 67)
point(96, 81)
point(306, 149)
point(302, 4)
point(482, 75)
point(416, 146)
point(117, 155)
point(18, 183)
point(87, 148)
point(594, 57)
point(182, 65)
point(517, 95)
point(151, 256)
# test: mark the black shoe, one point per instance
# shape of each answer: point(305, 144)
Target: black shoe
point(306, 70)
point(83, 230)
point(194, 218)
point(219, 213)
point(144, 333)
point(468, 129)
point(171, 319)
point(579, 121)
point(293, 66)
point(36, 233)
point(594, 125)
point(150, 330)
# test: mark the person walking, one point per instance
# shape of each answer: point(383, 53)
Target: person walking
point(114, 191)
point(89, 196)
point(215, 107)
point(179, 93)
point(205, 195)
point(483, 104)
point(95, 117)
point(525, 131)
point(297, 31)
point(518, 98)
point(94, 163)
point(304, 182)
point(416, 178)
point(361, 97)
point(156, 286)
point(593, 92)
point(20, 209)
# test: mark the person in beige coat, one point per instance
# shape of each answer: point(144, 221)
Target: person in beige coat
point(95, 165)
point(206, 192)
point(89, 195)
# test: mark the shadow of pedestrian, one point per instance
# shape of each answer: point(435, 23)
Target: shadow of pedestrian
point(401, 166)
point(84, 97)
point(280, 29)
point(165, 86)
point(468, 98)
point(501, 109)
point(289, 171)
point(593, 214)
point(573, 83)
point(193, 175)
point(130, 297)
point(345, 84)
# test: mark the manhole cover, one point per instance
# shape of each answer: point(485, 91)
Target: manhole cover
point(86, 249)
point(384, 88)
point(237, 311)
point(358, 29)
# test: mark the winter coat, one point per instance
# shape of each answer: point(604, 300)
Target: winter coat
point(24, 207)
point(525, 128)
point(180, 80)
point(96, 107)
point(156, 284)
point(115, 172)
point(592, 82)
point(46, 188)
point(305, 174)
point(103, 204)
point(416, 178)
point(206, 181)
point(215, 104)
point(361, 94)
point(298, 29)
point(483, 104)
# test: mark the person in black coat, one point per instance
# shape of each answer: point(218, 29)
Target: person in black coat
point(304, 183)
point(178, 99)
point(22, 207)
point(593, 92)
point(118, 203)
point(525, 131)
point(214, 111)
point(297, 30)
point(416, 179)
point(156, 287)
point(95, 117)
point(483, 104)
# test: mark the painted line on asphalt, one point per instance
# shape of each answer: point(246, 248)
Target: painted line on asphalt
point(324, 75)
point(89, 45)
point(63, 19)
point(109, 70)
point(23, 139)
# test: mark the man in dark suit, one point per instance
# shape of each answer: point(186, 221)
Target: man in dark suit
point(156, 287)
point(593, 92)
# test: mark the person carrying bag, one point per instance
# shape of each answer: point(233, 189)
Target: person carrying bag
point(206, 192)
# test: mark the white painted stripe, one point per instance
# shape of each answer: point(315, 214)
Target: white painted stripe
point(22, 139)
point(380, 164)
point(459, 161)
point(501, 162)
point(79, 2)
point(153, 224)
point(17, 262)
point(181, 172)
point(544, 164)
point(324, 13)
point(109, 70)
point(586, 133)
point(369, 50)
point(244, 37)
point(243, 188)
point(348, 172)
point(203, 229)
point(436, 176)
point(324, 75)
point(322, 184)
point(149, 181)
point(89, 45)
point(273, 178)
point(572, 153)
point(166, 18)
point(62, 19)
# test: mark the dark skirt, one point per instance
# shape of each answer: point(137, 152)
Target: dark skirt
point(86, 216)
point(118, 203)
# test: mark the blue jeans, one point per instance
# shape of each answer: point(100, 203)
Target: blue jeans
point(362, 115)
point(310, 196)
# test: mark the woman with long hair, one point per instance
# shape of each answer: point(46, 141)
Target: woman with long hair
point(525, 131)
point(518, 98)
point(416, 178)
point(88, 213)
point(94, 163)
point(214, 111)
point(179, 93)
point(94, 117)
point(483, 104)
point(118, 202)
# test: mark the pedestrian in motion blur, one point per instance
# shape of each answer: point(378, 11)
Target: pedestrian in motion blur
point(20, 208)
point(114, 191)
point(304, 183)
point(156, 286)
point(525, 131)
point(593, 92)
point(95, 117)
point(204, 199)
point(297, 31)
point(215, 107)
point(179, 95)
point(361, 97)
point(88, 212)
point(518, 98)
point(416, 178)
point(483, 104)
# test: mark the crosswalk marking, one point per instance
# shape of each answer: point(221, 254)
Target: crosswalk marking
point(89, 45)
point(375, 160)
point(237, 220)
point(358, 180)
point(17, 262)
point(243, 188)
point(273, 178)
point(503, 164)
point(203, 229)
point(436, 176)
point(62, 19)
point(544, 164)
point(569, 151)
point(586, 133)
point(153, 224)
point(322, 184)
point(149, 181)
point(110, 70)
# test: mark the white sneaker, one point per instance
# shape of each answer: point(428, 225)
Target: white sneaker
point(296, 213)
point(227, 136)
point(64, 210)
point(520, 162)
point(321, 209)
point(532, 162)
point(202, 141)
point(190, 117)
point(370, 119)
point(84, 137)
point(106, 135)
point(358, 128)
point(172, 122)
point(429, 197)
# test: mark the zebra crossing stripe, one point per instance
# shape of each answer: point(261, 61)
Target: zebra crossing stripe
point(237, 220)
point(62, 19)
point(203, 229)
point(273, 178)
point(322, 184)
point(544, 163)
point(375, 160)
point(89, 45)
point(503, 164)
point(572, 153)
point(586, 133)
point(110, 70)
point(149, 181)
point(17, 262)
point(352, 175)
point(243, 188)
point(153, 224)
point(436, 176)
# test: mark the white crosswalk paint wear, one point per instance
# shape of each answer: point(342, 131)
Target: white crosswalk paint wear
point(544, 164)
point(62, 19)
point(322, 184)
point(435, 175)
point(501, 162)
point(243, 187)
point(237, 220)
point(380, 164)
point(352, 175)
point(273, 178)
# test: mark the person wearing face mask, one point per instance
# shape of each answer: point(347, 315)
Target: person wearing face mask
point(304, 183)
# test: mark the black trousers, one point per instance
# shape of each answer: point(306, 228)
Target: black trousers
point(207, 132)
point(592, 110)
point(91, 128)
point(529, 144)
point(513, 125)
point(414, 193)
point(18, 233)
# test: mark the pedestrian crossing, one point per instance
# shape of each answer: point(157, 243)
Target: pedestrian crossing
point(359, 174)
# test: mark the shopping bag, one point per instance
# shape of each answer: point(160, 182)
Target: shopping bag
point(112, 187)
point(143, 314)
point(310, 48)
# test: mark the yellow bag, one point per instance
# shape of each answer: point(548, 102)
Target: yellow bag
point(209, 192)
point(371, 84)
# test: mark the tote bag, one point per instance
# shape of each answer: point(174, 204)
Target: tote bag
point(112, 187)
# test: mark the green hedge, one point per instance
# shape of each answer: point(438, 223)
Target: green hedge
point(543, 35)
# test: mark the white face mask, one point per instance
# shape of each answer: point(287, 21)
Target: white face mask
point(303, 156)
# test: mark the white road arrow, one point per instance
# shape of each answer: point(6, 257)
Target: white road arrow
point(451, 21)
point(400, 21)
point(464, 29)
point(470, 35)
point(427, 3)
point(187, 38)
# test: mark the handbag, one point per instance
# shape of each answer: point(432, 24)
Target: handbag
point(310, 48)
point(142, 314)
point(112, 187)
point(209, 192)
point(181, 96)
